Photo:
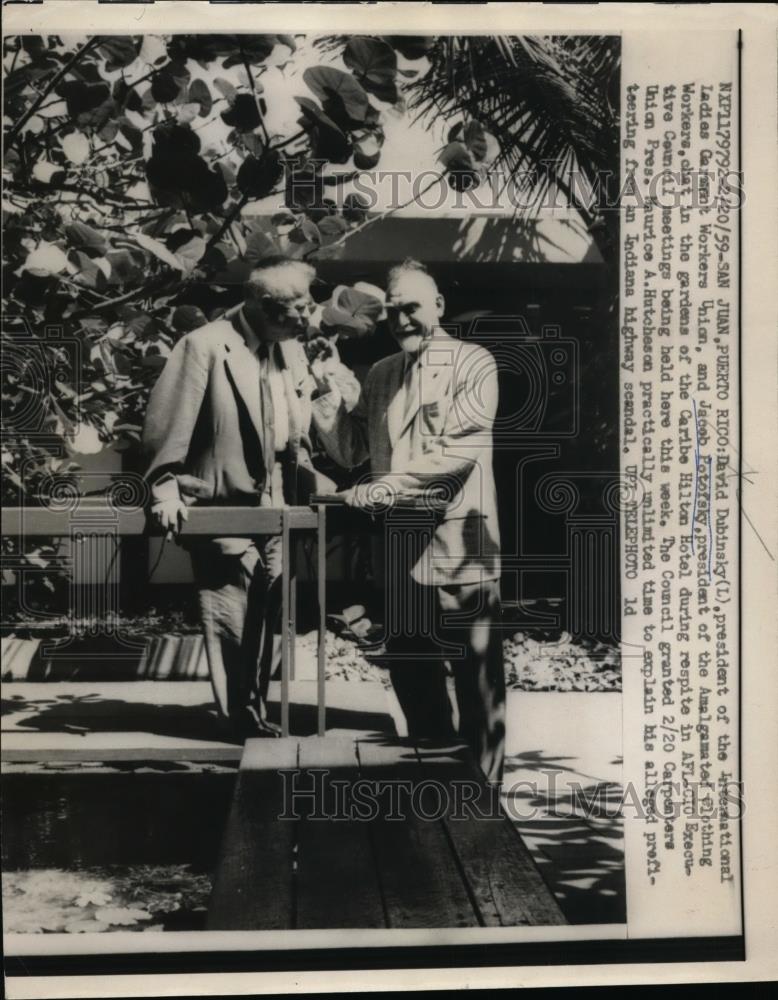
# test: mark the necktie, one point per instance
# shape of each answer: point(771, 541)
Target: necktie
point(266, 409)
point(402, 424)
point(411, 387)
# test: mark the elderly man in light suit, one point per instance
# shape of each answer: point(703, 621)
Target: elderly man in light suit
point(228, 423)
point(425, 420)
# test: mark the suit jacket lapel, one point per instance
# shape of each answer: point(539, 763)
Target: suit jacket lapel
point(244, 371)
point(425, 389)
point(394, 411)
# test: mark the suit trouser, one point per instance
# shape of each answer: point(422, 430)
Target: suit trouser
point(459, 624)
point(240, 609)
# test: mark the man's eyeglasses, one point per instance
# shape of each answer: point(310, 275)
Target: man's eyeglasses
point(279, 308)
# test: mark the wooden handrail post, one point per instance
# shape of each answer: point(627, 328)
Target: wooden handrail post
point(292, 606)
point(285, 587)
point(321, 577)
point(31, 522)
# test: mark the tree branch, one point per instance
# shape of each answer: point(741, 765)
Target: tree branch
point(227, 221)
point(290, 140)
point(16, 55)
point(102, 197)
point(376, 218)
point(84, 50)
point(256, 98)
point(137, 293)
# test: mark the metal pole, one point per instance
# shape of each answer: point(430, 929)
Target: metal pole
point(292, 605)
point(285, 574)
point(321, 580)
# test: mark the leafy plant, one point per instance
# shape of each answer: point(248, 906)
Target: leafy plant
point(129, 165)
point(135, 169)
point(550, 102)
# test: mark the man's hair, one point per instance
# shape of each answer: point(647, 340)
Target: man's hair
point(409, 266)
point(267, 272)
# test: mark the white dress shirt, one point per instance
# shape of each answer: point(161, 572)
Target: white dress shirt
point(277, 388)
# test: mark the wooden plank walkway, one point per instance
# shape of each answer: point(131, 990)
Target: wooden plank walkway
point(341, 832)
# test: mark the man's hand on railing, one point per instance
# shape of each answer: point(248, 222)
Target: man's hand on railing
point(170, 515)
point(381, 495)
point(373, 496)
point(169, 509)
point(358, 496)
point(362, 496)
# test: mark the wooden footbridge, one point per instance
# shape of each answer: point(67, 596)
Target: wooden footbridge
point(342, 832)
point(338, 833)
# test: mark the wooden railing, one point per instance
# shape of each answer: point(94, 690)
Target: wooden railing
point(98, 517)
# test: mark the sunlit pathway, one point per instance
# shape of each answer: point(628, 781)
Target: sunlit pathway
point(562, 788)
point(562, 777)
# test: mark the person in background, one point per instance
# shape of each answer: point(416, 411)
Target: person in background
point(425, 420)
point(228, 423)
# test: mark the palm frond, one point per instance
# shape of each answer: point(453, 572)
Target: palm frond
point(546, 99)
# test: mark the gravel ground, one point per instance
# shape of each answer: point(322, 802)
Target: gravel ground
point(531, 664)
point(561, 664)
